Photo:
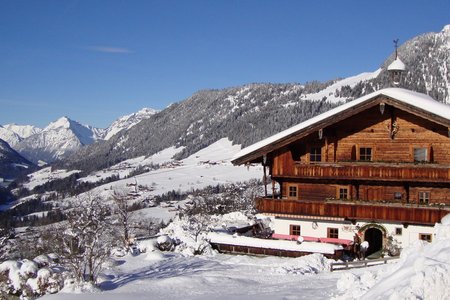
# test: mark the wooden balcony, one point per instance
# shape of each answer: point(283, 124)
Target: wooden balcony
point(374, 171)
point(403, 213)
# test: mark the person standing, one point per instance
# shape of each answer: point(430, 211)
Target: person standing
point(363, 249)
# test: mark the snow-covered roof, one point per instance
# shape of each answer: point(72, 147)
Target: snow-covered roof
point(397, 64)
point(418, 100)
point(312, 247)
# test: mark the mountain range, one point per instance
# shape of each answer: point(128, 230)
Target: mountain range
point(63, 136)
point(244, 114)
point(13, 133)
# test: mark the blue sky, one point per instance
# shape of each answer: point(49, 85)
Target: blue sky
point(95, 61)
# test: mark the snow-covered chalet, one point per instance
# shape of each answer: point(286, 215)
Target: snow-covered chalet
point(377, 168)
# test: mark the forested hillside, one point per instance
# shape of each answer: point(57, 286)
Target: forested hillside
point(243, 114)
point(251, 112)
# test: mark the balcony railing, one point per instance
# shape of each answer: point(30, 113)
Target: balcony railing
point(374, 171)
point(402, 213)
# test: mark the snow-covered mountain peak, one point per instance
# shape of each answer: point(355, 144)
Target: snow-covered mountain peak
point(63, 122)
point(23, 131)
point(9, 136)
point(13, 133)
point(446, 29)
point(59, 139)
point(85, 133)
point(128, 121)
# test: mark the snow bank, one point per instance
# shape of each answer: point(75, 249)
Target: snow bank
point(309, 264)
point(155, 255)
point(42, 260)
point(190, 233)
point(12, 268)
point(146, 245)
point(423, 272)
point(29, 268)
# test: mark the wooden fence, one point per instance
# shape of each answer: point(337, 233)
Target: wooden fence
point(359, 263)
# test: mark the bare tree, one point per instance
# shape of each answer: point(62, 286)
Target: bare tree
point(86, 239)
point(123, 215)
point(5, 237)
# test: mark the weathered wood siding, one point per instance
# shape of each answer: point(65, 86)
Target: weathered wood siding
point(392, 158)
point(357, 211)
point(309, 191)
point(437, 195)
point(364, 192)
point(341, 142)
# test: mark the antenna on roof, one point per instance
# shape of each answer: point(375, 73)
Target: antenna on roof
point(396, 68)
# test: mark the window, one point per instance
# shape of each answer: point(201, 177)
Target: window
point(315, 154)
point(343, 193)
point(365, 154)
point(424, 197)
point(420, 154)
point(295, 230)
point(292, 191)
point(333, 233)
point(398, 231)
point(425, 237)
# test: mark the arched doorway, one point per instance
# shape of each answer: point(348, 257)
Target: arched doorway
point(374, 236)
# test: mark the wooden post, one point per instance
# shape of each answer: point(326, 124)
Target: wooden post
point(273, 189)
point(335, 141)
point(265, 181)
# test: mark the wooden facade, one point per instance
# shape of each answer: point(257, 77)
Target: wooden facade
point(352, 211)
point(383, 159)
point(365, 157)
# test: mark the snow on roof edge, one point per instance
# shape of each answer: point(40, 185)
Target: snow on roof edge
point(312, 247)
point(416, 99)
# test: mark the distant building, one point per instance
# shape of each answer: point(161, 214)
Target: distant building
point(376, 168)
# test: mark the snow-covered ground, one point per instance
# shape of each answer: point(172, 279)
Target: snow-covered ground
point(423, 272)
point(209, 166)
point(329, 92)
point(46, 174)
point(172, 276)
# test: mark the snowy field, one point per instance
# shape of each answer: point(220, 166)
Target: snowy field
point(46, 174)
point(172, 276)
point(209, 166)
point(423, 272)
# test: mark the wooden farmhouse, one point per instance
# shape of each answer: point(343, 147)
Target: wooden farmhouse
point(377, 168)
